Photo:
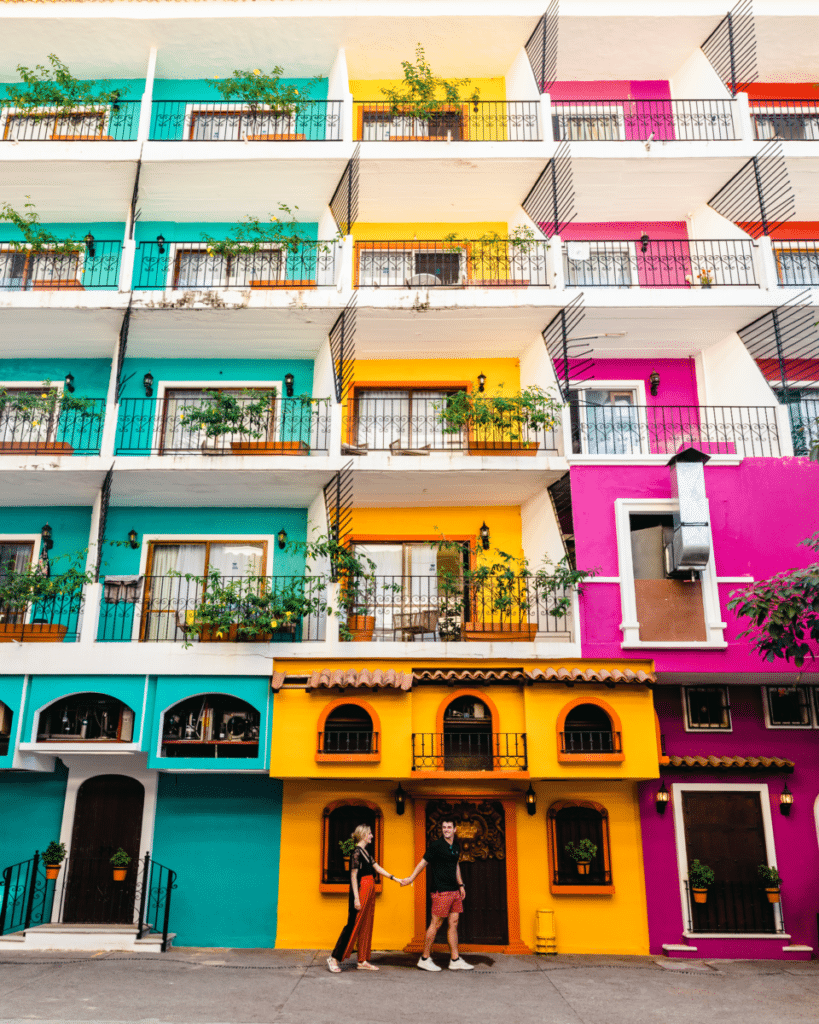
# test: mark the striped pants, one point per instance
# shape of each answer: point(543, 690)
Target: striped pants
point(359, 927)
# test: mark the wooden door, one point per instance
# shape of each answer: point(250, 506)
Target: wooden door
point(481, 831)
point(108, 815)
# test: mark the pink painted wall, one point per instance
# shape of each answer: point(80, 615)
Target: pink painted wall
point(760, 510)
point(648, 90)
point(678, 382)
point(624, 230)
point(666, 261)
point(641, 103)
point(795, 841)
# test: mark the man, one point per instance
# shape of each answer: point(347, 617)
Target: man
point(447, 891)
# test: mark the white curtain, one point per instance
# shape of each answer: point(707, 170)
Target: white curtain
point(612, 427)
point(172, 599)
point(237, 559)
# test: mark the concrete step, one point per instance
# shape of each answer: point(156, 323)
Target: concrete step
point(96, 937)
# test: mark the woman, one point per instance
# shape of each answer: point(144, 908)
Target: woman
point(361, 906)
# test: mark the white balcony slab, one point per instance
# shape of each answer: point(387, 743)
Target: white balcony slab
point(51, 480)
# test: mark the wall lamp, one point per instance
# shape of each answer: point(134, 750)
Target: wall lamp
point(484, 535)
point(288, 384)
point(90, 244)
point(48, 542)
point(69, 383)
point(654, 383)
point(481, 381)
point(661, 799)
point(148, 384)
point(531, 800)
point(160, 243)
point(644, 240)
point(282, 539)
point(786, 801)
point(132, 539)
point(400, 800)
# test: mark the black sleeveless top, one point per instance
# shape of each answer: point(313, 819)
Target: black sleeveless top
point(361, 862)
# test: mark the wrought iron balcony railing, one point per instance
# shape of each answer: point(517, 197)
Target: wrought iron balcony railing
point(481, 121)
point(188, 265)
point(222, 121)
point(416, 422)
point(86, 268)
point(664, 429)
point(590, 741)
point(175, 609)
point(797, 261)
point(47, 620)
point(110, 122)
point(789, 120)
point(64, 432)
point(639, 120)
point(480, 263)
point(469, 751)
point(567, 873)
point(291, 426)
point(734, 908)
point(659, 263)
point(448, 609)
point(334, 741)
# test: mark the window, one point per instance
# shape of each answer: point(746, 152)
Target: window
point(15, 556)
point(88, 126)
point(179, 434)
point(194, 268)
point(575, 124)
point(6, 719)
point(410, 416)
point(467, 739)
point(339, 822)
point(606, 421)
point(587, 730)
point(569, 822)
point(237, 123)
point(348, 729)
point(381, 125)
point(86, 718)
point(803, 410)
point(707, 707)
point(788, 707)
point(212, 725)
point(797, 266)
point(24, 270)
point(600, 264)
point(791, 127)
point(411, 267)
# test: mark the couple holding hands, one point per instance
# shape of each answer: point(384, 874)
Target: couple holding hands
point(446, 887)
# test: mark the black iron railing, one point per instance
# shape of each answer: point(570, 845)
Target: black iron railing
point(569, 874)
point(84, 268)
point(590, 741)
point(64, 432)
point(660, 263)
point(418, 423)
point(347, 742)
point(47, 620)
point(640, 120)
point(481, 121)
point(734, 908)
point(188, 265)
point(158, 883)
point(479, 263)
point(292, 426)
point(469, 751)
point(111, 122)
point(27, 896)
point(790, 120)
point(797, 261)
point(222, 121)
point(665, 429)
point(170, 609)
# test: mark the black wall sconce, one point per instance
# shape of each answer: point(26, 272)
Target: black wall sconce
point(90, 244)
point(644, 240)
point(786, 801)
point(148, 384)
point(481, 381)
point(48, 541)
point(531, 800)
point(282, 539)
point(132, 539)
point(661, 799)
point(160, 244)
point(484, 535)
point(288, 384)
point(69, 383)
point(400, 800)
point(654, 383)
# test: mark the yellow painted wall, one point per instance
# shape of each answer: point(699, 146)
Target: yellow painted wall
point(408, 232)
point(372, 89)
point(402, 372)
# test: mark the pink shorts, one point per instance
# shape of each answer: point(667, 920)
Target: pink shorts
point(446, 903)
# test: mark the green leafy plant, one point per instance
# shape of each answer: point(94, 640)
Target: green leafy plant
point(584, 850)
point(492, 254)
point(251, 236)
point(700, 876)
point(35, 583)
point(54, 853)
point(347, 846)
point(55, 89)
point(423, 94)
point(36, 238)
point(120, 859)
point(784, 612)
point(221, 413)
point(770, 876)
point(499, 417)
point(36, 407)
point(258, 90)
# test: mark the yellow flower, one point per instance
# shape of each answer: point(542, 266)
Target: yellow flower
point(256, 71)
point(44, 395)
point(35, 423)
point(273, 623)
point(296, 91)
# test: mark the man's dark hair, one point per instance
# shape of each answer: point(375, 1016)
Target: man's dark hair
point(451, 821)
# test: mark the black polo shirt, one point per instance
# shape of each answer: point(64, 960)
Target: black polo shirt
point(442, 860)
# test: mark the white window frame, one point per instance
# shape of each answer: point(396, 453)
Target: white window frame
point(173, 248)
point(7, 113)
point(715, 628)
point(414, 251)
point(36, 385)
point(263, 753)
point(591, 112)
point(796, 111)
point(639, 389)
point(709, 729)
point(215, 108)
point(628, 247)
point(677, 790)
point(811, 701)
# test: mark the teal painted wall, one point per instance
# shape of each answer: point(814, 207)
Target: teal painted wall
point(44, 690)
point(11, 694)
point(122, 123)
point(221, 834)
point(109, 231)
point(97, 272)
point(215, 371)
point(130, 88)
point(199, 89)
point(192, 231)
point(69, 527)
point(91, 376)
point(31, 810)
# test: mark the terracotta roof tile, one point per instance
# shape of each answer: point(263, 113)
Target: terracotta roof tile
point(469, 675)
point(711, 761)
point(358, 678)
point(593, 675)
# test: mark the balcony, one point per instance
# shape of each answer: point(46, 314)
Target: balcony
point(115, 122)
point(482, 121)
point(797, 262)
point(469, 752)
point(659, 263)
point(175, 609)
point(638, 120)
point(734, 908)
point(630, 430)
point(344, 743)
point(193, 121)
point(187, 265)
point(789, 120)
point(590, 741)
point(63, 432)
point(92, 266)
point(481, 263)
point(47, 620)
point(291, 426)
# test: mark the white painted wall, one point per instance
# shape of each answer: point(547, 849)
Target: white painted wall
point(706, 223)
point(731, 377)
point(697, 80)
point(338, 81)
point(520, 82)
point(536, 367)
point(539, 530)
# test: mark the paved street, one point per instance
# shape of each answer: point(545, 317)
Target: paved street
point(225, 986)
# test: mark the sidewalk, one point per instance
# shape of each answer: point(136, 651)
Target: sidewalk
point(244, 986)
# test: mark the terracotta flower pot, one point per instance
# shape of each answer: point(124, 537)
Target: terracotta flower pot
point(487, 632)
point(346, 863)
point(583, 867)
point(119, 874)
point(772, 894)
point(361, 627)
point(52, 871)
point(700, 895)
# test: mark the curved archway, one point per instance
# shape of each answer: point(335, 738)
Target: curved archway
point(349, 729)
point(339, 819)
point(569, 822)
point(89, 717)
point(467, 734)
point(211, 725)
point(589, 729)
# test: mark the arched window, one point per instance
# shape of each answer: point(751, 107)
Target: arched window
point(569, 824)
point(348, 729)
point(340, 820)
point(589, 730)
point(6, 717)
point(467, 738)
point(214, 725)
point(86, 717)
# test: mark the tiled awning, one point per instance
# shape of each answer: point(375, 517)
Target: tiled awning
point(470, 675)
point(736, 762)
point(359, 678)
point(593, 675)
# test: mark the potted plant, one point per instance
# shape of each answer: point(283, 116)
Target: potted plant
point(37, 409)
point(500, 424)
point(267, 99)
point(583, 853)
point(52, 858)
point(771, 881)
point(427, 98)
point(36, 589)
point(120, 862)
point(347, 847)
point(221, 413)
point(47, 92)
point(492, 259)
point(700, 877)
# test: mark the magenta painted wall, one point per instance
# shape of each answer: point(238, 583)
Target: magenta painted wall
point(795, 838)
point(659, 90)
point(642, 112)
point(624, 230)
point(667, 259)
point(678, 382)
point(760, 510)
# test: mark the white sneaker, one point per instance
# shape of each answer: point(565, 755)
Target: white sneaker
point(428, 964)
point(460, 965)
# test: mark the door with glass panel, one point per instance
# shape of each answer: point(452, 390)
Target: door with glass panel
point(175, 582)
point(20, 427)
point(15, 556)
point(413, 418)
point(797, 267)
point(609, 422)
point(180, 431)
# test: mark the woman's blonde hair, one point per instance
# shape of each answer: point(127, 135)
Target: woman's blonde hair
point(360, 832)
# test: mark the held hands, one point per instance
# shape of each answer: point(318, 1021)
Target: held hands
point(357, 903)
point(405, 881)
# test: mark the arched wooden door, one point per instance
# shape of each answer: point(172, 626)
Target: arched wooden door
point(108, 815)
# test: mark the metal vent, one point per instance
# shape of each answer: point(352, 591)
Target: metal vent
point(550, 202)
point(690, 546)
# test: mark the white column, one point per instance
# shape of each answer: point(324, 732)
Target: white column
point(766, 265)
point(109, 428)
point(93, 591)
point(742, 112)
point(126, 266)
point(546, 125)
point(554, 263)
point(344, 280)
point(145, 108)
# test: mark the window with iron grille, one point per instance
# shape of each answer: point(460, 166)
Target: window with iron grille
point(569, 823)
point(348, 729)
point(788, 706)
point(707, 707)
point(340, 821)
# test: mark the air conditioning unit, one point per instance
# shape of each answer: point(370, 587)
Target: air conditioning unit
point(690, 546)
point(422, 281)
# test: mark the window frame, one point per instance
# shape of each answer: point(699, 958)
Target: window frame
point(590, 889)
point(32, 283)
point(811, 705)
point(423, 246)
point(377, 844)
point(179, 249)
point(411, 390)
point(638, 389)
point(689, 727)
point(9, 114)
point(614, 756)
point(201, 744)
point(588, 113)
point(194, 111)
point(163, 397)
point(383, 116)
point(351, 758)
